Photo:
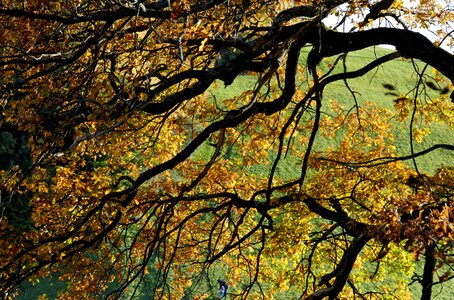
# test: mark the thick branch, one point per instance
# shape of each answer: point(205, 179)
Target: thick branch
point(410, 45)
point(427, 276)
point(352, 227)
point(343, 269)
point(157, 10)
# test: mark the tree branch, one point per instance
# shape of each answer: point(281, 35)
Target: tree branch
point(410, 45)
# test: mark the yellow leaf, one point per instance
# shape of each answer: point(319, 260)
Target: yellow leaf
point(202, 45)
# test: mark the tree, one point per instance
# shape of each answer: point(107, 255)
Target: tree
point(144, 180)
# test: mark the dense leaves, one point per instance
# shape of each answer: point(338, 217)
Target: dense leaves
point(129, 165)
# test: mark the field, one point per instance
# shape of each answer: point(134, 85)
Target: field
point(400, 75)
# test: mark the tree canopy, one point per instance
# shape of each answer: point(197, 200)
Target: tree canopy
point(128, 166)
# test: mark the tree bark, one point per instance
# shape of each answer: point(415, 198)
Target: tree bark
point(409, 44)
point(343, 270)
point(427, 277)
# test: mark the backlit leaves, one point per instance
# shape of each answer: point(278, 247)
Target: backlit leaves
point(161, 146)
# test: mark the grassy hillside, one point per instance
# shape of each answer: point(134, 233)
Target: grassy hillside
point(398, 73)
point(402, 76)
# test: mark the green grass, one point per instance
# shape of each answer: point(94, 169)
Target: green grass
point(48, 287)
point(399, 73)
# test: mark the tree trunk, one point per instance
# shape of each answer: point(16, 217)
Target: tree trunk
point(427, 277)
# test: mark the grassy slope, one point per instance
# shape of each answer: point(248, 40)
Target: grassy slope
point(399, 73)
